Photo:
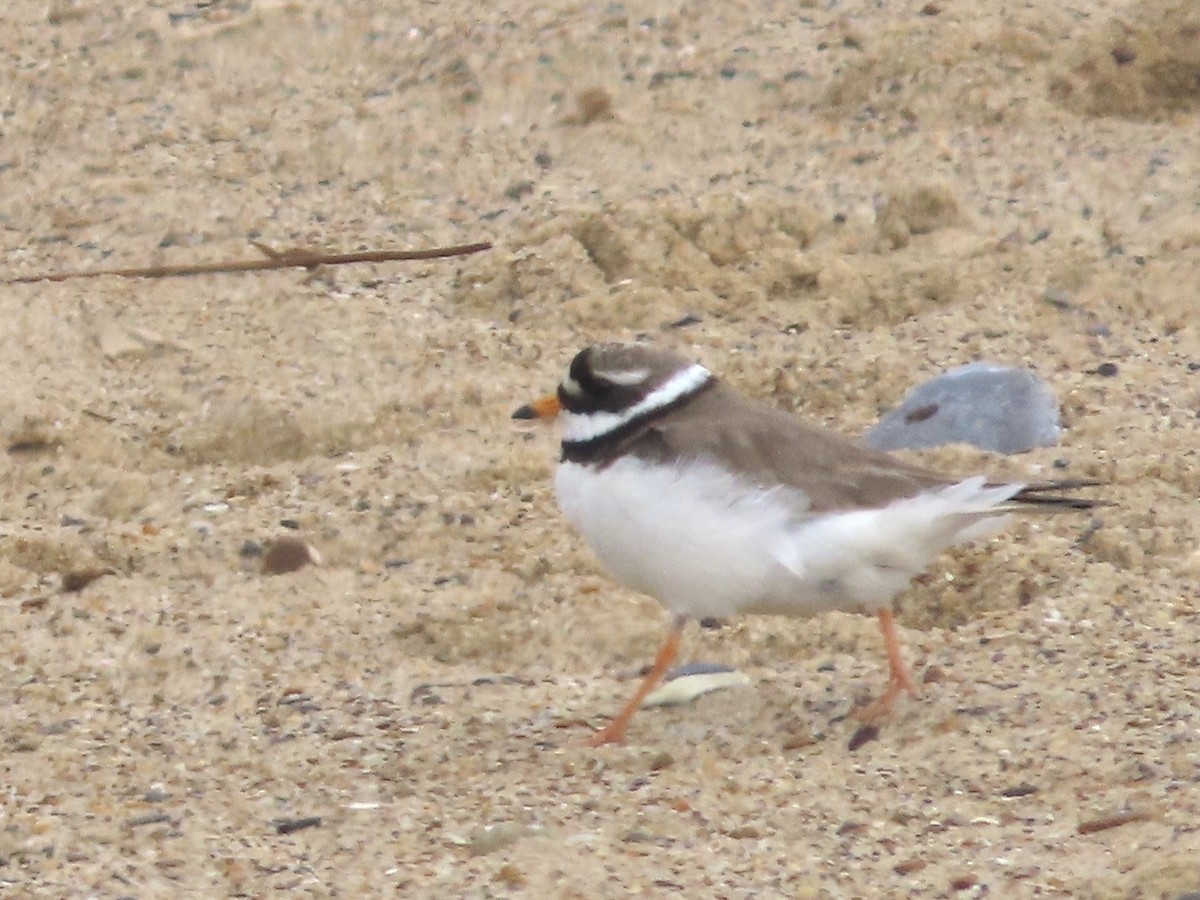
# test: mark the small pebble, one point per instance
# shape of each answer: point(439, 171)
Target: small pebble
point(31, 445)
point(491, 838)
point(685, 321)
point(660, 761)
point(77, 579)
point(1123, 54)
point(1018, 790)
point(1113, 820)
point(151, 818)
point(287, 554)
point(933, 675)
point(518, 189)
point(797, 736)
point(510, 876)
point(1057, 297)
point(426, 695)
point(287, 826)
point(864, 735)
point(745, 832)
point(594, 103)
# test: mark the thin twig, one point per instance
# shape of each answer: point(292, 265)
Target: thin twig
point(275, 259)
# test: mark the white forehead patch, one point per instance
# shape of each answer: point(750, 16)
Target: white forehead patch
point(623, 377)
point(580, 427)
point(571, 386)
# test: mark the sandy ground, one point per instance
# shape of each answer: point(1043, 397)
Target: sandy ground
point(845, 198)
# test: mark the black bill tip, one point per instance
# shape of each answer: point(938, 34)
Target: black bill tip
point(525, 412)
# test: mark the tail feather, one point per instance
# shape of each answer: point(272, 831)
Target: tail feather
point(1054, 495)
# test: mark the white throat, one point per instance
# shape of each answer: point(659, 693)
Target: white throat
point(582, 427)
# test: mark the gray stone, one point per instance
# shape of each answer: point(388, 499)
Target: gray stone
point(1002, 408)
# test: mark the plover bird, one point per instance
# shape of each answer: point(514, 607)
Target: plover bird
point(716, 504)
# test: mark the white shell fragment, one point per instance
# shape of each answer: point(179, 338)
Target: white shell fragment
point(686, 683)
point(1003, 408)
point(116, 341)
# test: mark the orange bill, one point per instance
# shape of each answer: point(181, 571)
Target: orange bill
point(543, 408)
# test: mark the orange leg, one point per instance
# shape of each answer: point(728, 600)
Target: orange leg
point(614, 731)
point(900, 679)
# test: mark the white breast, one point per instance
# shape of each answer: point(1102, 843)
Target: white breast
point(706, 543)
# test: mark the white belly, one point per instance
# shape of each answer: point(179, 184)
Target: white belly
point(693, 537)
point(706, 544)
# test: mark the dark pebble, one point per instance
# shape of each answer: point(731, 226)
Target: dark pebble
point(518, 189)
point(286, 554)
point(864, 735)
point(152, 818)
point(1018, 790)
point(287, 826)
point(77, 579)
point(689, 319)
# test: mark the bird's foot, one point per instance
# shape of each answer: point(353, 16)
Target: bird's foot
point(899, 683)
point(612, 733)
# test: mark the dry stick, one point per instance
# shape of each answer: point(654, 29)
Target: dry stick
point(286, 259)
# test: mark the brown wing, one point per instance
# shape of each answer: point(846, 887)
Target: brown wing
point(772, 447)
